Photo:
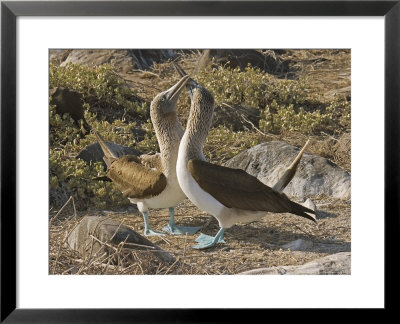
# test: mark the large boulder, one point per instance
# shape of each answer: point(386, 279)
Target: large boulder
point(125, 60)
point(335, 264)
point(96, 235)
point(68, 101)
point(266, 61)
point(315, 175)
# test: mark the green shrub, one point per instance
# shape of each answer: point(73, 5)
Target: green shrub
point(223, 144)
point(99, 85)
point(285, 105)
point(74, 176)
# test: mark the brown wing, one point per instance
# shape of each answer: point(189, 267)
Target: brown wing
point(235, 188)
point(134, 179)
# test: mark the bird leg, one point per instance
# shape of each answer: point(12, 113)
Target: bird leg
point(206, 241)
point(172, 228)
point(147, 229)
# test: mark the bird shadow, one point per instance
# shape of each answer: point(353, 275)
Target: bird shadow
point(276, 239)
point(323, 214)
point(283, 239)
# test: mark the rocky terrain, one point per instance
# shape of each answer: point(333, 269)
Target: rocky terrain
point(93, 230)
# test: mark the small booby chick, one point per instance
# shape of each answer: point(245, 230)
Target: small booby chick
point(230, 195)
point(150, 181)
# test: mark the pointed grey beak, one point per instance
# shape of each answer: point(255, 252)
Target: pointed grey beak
point(173, 94)
point(190, 85)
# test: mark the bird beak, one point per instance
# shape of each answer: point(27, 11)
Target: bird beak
point(173, 94)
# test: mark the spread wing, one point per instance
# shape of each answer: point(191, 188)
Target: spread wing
point(235, 188)
point(134, 179)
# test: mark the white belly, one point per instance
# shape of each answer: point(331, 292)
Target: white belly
point(171, 196)
point(193, 191)
point(226, 216)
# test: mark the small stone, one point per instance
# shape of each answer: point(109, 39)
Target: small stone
point(298, 245)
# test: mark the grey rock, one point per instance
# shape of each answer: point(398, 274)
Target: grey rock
point(57, 197)
point(315, 175)
point(69, 102)
point(94, 153)
point(335, 264)
point(109, 233)
point(125, 60)
point(266, 61)
point(58, 55)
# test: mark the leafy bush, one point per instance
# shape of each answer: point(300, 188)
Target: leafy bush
point(74, 176)
point(100, 85)
point(223, 144)
point(285, 105)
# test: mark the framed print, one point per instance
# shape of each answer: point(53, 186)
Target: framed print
point(79, 238)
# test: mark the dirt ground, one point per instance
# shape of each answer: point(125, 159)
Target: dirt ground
point(248, 246)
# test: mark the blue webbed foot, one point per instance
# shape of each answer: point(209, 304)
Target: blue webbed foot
point(206, 241)
point(180, 230)
point(147, 229)
point(171, 228)
point(150, 232)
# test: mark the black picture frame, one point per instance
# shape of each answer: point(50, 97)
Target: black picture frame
point(10, 10)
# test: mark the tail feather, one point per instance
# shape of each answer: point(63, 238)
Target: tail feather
point(302, 211)
point(290, 171)
point(109, 155)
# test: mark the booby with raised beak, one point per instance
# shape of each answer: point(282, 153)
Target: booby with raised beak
point(230, 195)
point(150, 181)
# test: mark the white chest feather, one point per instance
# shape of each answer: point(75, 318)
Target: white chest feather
point(191, 188)
point(171, 196)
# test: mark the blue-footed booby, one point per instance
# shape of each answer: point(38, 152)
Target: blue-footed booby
point(150, 181)
point(230, 195)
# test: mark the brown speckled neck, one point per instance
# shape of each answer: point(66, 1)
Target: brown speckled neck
point(199, 122)
point(169, 132)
